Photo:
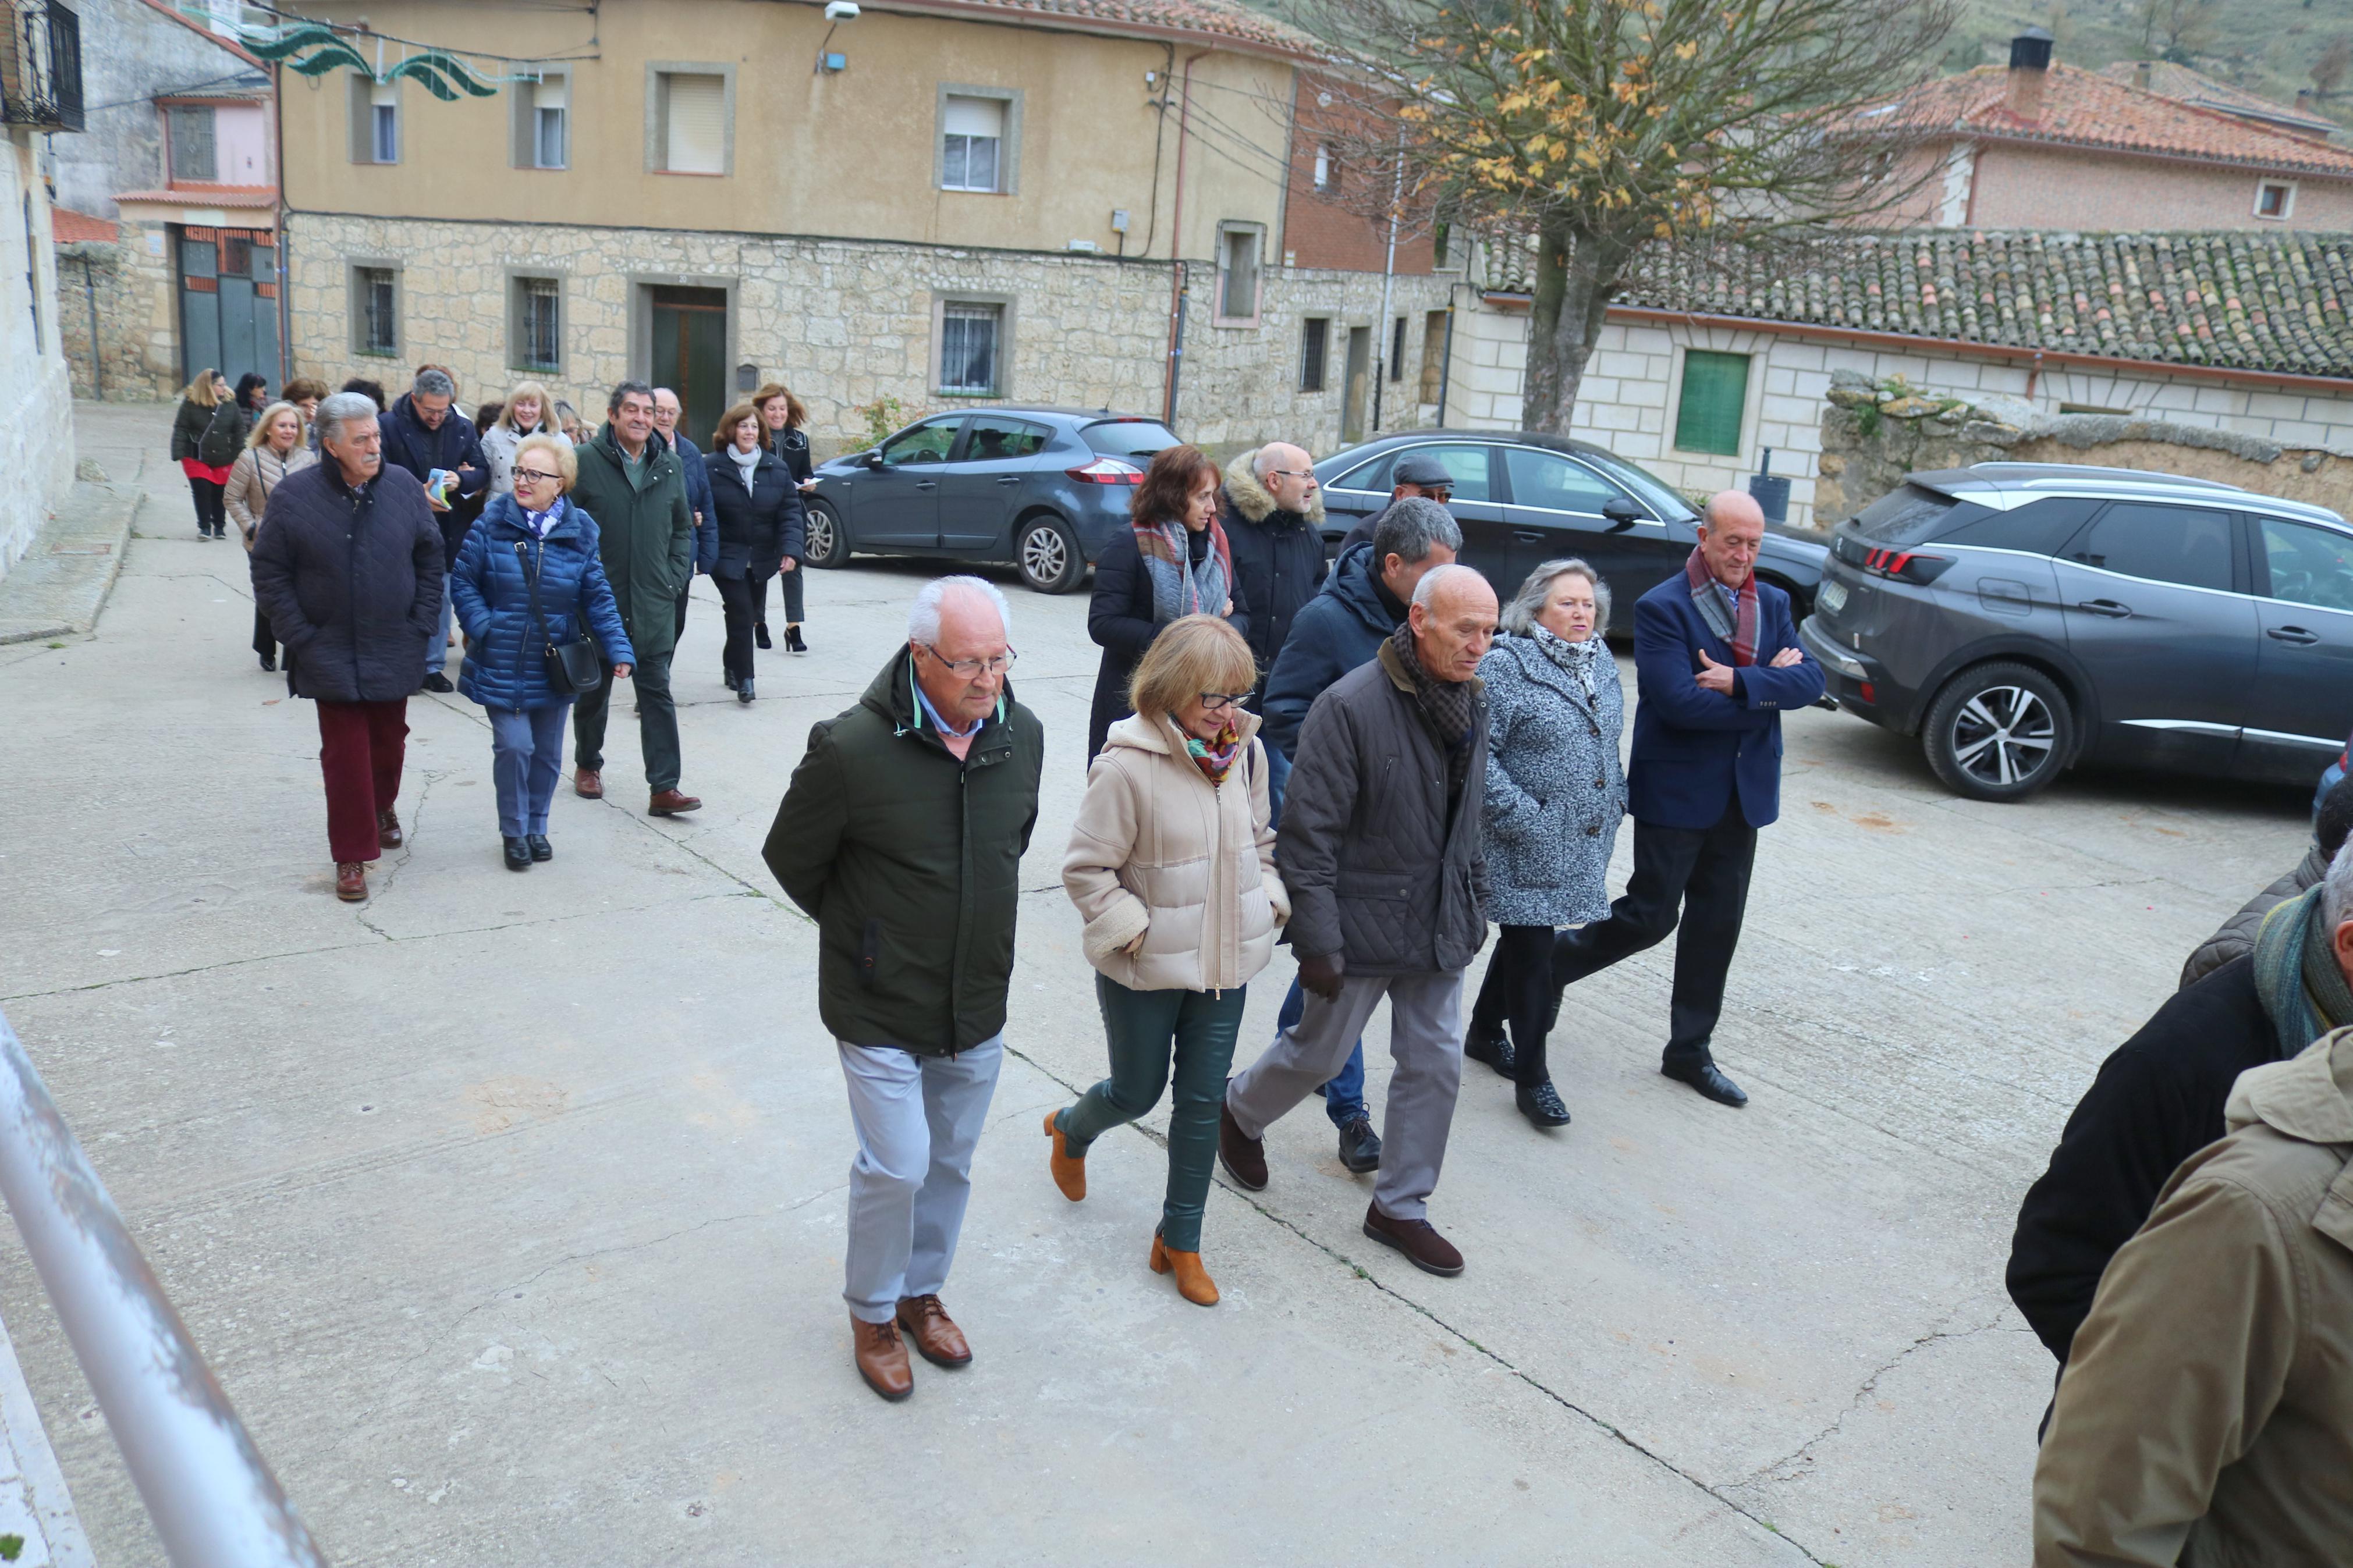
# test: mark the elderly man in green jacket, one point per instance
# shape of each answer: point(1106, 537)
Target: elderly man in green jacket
point(901, 835)
point(635, 488)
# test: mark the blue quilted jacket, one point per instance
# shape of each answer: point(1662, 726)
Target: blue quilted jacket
point(506, 662)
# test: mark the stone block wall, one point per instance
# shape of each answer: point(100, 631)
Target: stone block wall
point(37, 446)
point(843, 322)
point(129, 292)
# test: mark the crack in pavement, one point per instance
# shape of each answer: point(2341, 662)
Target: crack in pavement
point(1604, 1424)
point(1771, 1471)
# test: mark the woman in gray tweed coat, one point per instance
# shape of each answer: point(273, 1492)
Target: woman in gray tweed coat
point(1555, 791)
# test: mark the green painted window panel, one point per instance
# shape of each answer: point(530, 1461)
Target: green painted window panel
point(1714, 392)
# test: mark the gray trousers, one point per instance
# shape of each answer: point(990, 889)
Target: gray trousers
point(918, 1119)
point(1425, 1040)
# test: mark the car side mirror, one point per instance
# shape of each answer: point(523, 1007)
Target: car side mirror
point(873, 460)
point(1622, 513)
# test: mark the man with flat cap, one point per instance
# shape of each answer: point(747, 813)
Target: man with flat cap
point(1416, 474)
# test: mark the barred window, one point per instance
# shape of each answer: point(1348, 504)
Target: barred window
point(1313, 337)
point(968, 347)
point(539, 328)
point(379, 332)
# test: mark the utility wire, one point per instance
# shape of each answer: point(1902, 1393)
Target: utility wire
point(246, 75)
point(350, 31)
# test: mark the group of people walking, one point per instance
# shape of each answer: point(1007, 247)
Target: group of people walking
point(565, 560)
point(1348, 760)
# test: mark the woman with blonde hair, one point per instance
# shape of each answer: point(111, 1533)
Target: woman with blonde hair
point(198, 404)
point(278, 447)
point(529, 581)
point(528, 411)
point(783, 421)
point(1172, 866)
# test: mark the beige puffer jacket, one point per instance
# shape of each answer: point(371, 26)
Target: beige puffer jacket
point(1159, 851)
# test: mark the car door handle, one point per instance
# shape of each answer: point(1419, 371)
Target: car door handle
point(2107, 607)
point(2296, 635)
point(1528, 535)
point(1008, 478)
point(928, 484)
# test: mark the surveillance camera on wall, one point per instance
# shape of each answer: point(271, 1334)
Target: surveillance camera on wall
point(841, 11)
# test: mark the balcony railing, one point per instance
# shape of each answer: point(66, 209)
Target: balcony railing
point(46, 89)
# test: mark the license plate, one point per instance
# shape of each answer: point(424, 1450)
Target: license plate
point(1831, 599)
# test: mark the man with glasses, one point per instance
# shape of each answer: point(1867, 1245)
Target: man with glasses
point(900, 835)
point(1416, 474)
point(1274, 526)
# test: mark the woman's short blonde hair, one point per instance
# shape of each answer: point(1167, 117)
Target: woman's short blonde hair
point(524, 389)
point(1196, 654)
point(568, 461)
point(260, 436)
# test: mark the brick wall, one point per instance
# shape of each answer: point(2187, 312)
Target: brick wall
point(1320, 230)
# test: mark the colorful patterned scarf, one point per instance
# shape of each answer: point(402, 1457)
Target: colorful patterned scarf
point(1180, 588)
point(1216, 758)
point(1740, 630)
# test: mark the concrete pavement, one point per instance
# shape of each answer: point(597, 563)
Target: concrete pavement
point(508, 1208)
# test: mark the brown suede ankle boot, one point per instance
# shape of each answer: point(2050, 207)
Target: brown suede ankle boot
point(1193, 1281)
point(1070, 1169)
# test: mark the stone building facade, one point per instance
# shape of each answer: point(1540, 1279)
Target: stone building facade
point(37, 444)
point(846, 322)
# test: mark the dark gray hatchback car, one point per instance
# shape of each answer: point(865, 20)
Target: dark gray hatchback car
point(2022, 617)
point(1040, 487)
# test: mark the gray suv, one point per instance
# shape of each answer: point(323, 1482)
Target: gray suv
point(2022, 617)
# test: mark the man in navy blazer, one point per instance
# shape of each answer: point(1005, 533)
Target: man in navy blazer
point(1716, 660)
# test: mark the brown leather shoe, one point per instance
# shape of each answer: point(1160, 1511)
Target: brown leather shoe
point(1243, 1158)
point(387, 829)
point(1070, 1169)
point(350, 881)
point(589, 784)
point(936, 1337)
point(1193, 1281)
point(1417, 1238)
point(882, 1357)
point(671, 802)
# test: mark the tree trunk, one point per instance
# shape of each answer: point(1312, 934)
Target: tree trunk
point(1575, 276)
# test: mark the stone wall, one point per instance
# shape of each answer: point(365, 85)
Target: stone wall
point(843, 322)
point(136, 312)
point(36, 448)
point(1875, 432)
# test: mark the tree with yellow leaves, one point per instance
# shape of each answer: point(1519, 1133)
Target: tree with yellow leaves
point(1610, 132)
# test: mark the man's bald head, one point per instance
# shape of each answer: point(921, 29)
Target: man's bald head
point(1453, 620)
point(1731, 530)
point(1287, 472)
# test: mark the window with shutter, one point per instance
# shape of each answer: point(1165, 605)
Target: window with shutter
point(694, 124)
point(972, 145)
point(194, 157)
point(1714, 395)
point(1237, 275)
point(384, 123)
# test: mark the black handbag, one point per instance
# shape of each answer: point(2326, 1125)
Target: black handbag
point(573, 667)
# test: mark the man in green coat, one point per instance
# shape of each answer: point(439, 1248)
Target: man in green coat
point(901, 835)
point(635, 491)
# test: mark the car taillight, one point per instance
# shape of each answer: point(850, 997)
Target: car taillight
point(1107, 471)
point(1905, 565)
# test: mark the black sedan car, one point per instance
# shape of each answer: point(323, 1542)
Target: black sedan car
point(1040, 487)
point(1524, 500)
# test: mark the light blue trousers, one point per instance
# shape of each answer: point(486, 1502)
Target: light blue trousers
point(918, 1119)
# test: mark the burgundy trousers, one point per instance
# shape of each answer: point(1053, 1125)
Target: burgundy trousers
point(360, 748)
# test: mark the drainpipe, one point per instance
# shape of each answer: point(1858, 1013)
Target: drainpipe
point(89, 291)
point(1446, 361)
point(285, 269)
point(1389, 276)
point(1176, 249)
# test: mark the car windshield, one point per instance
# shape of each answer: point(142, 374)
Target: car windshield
point(1661, 497)
point(1128, 437)
point(1908, 514)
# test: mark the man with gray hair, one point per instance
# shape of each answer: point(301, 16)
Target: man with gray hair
point(900, 835)
point(1362, 603)
point(2159, 1098)
point(424, 435)
point(1380, 849)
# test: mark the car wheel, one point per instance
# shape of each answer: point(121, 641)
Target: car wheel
point(1999, 732)
point(1047, 552)
point(827, 543)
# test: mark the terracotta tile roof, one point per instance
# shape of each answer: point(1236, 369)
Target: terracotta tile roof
point(2252, 301)
point(194, 194)
point(2186, 86)
point(71, 228)
point(2083, 108)
point(1225, 19)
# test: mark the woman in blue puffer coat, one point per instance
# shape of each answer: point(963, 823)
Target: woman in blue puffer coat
point(533, 532)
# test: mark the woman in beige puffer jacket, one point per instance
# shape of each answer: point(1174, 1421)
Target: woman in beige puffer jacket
point(1172, 865)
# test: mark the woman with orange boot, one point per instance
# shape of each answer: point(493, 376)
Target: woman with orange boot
point(1172, 865)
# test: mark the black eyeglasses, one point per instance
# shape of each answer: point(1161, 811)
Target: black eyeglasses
point(535, 474)
point(965, 669)
point(1218, 702)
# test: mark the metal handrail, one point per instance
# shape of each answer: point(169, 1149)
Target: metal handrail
point(208, 1490)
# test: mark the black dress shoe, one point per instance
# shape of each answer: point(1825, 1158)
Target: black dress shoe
point(729, 677)
point(437, 681)
point(518, 855)
point(793, 642)
point(760, 635)
point(1705, 1079)
point(270, 662)
point(743, 691)
point(1494, 1050)
point(1541, 1105)
point(540, 847)
point(1360, 1147)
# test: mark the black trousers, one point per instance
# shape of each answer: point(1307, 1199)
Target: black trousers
point(1704, 871)
point(212, 509)
point(683, 595)
point(743, 597)
point(265, 635)
point(1518, 991)
point(792, 585)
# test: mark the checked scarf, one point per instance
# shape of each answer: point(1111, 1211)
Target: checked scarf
point(1740, 630)
point(1448, 707)
point(2296, 976)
